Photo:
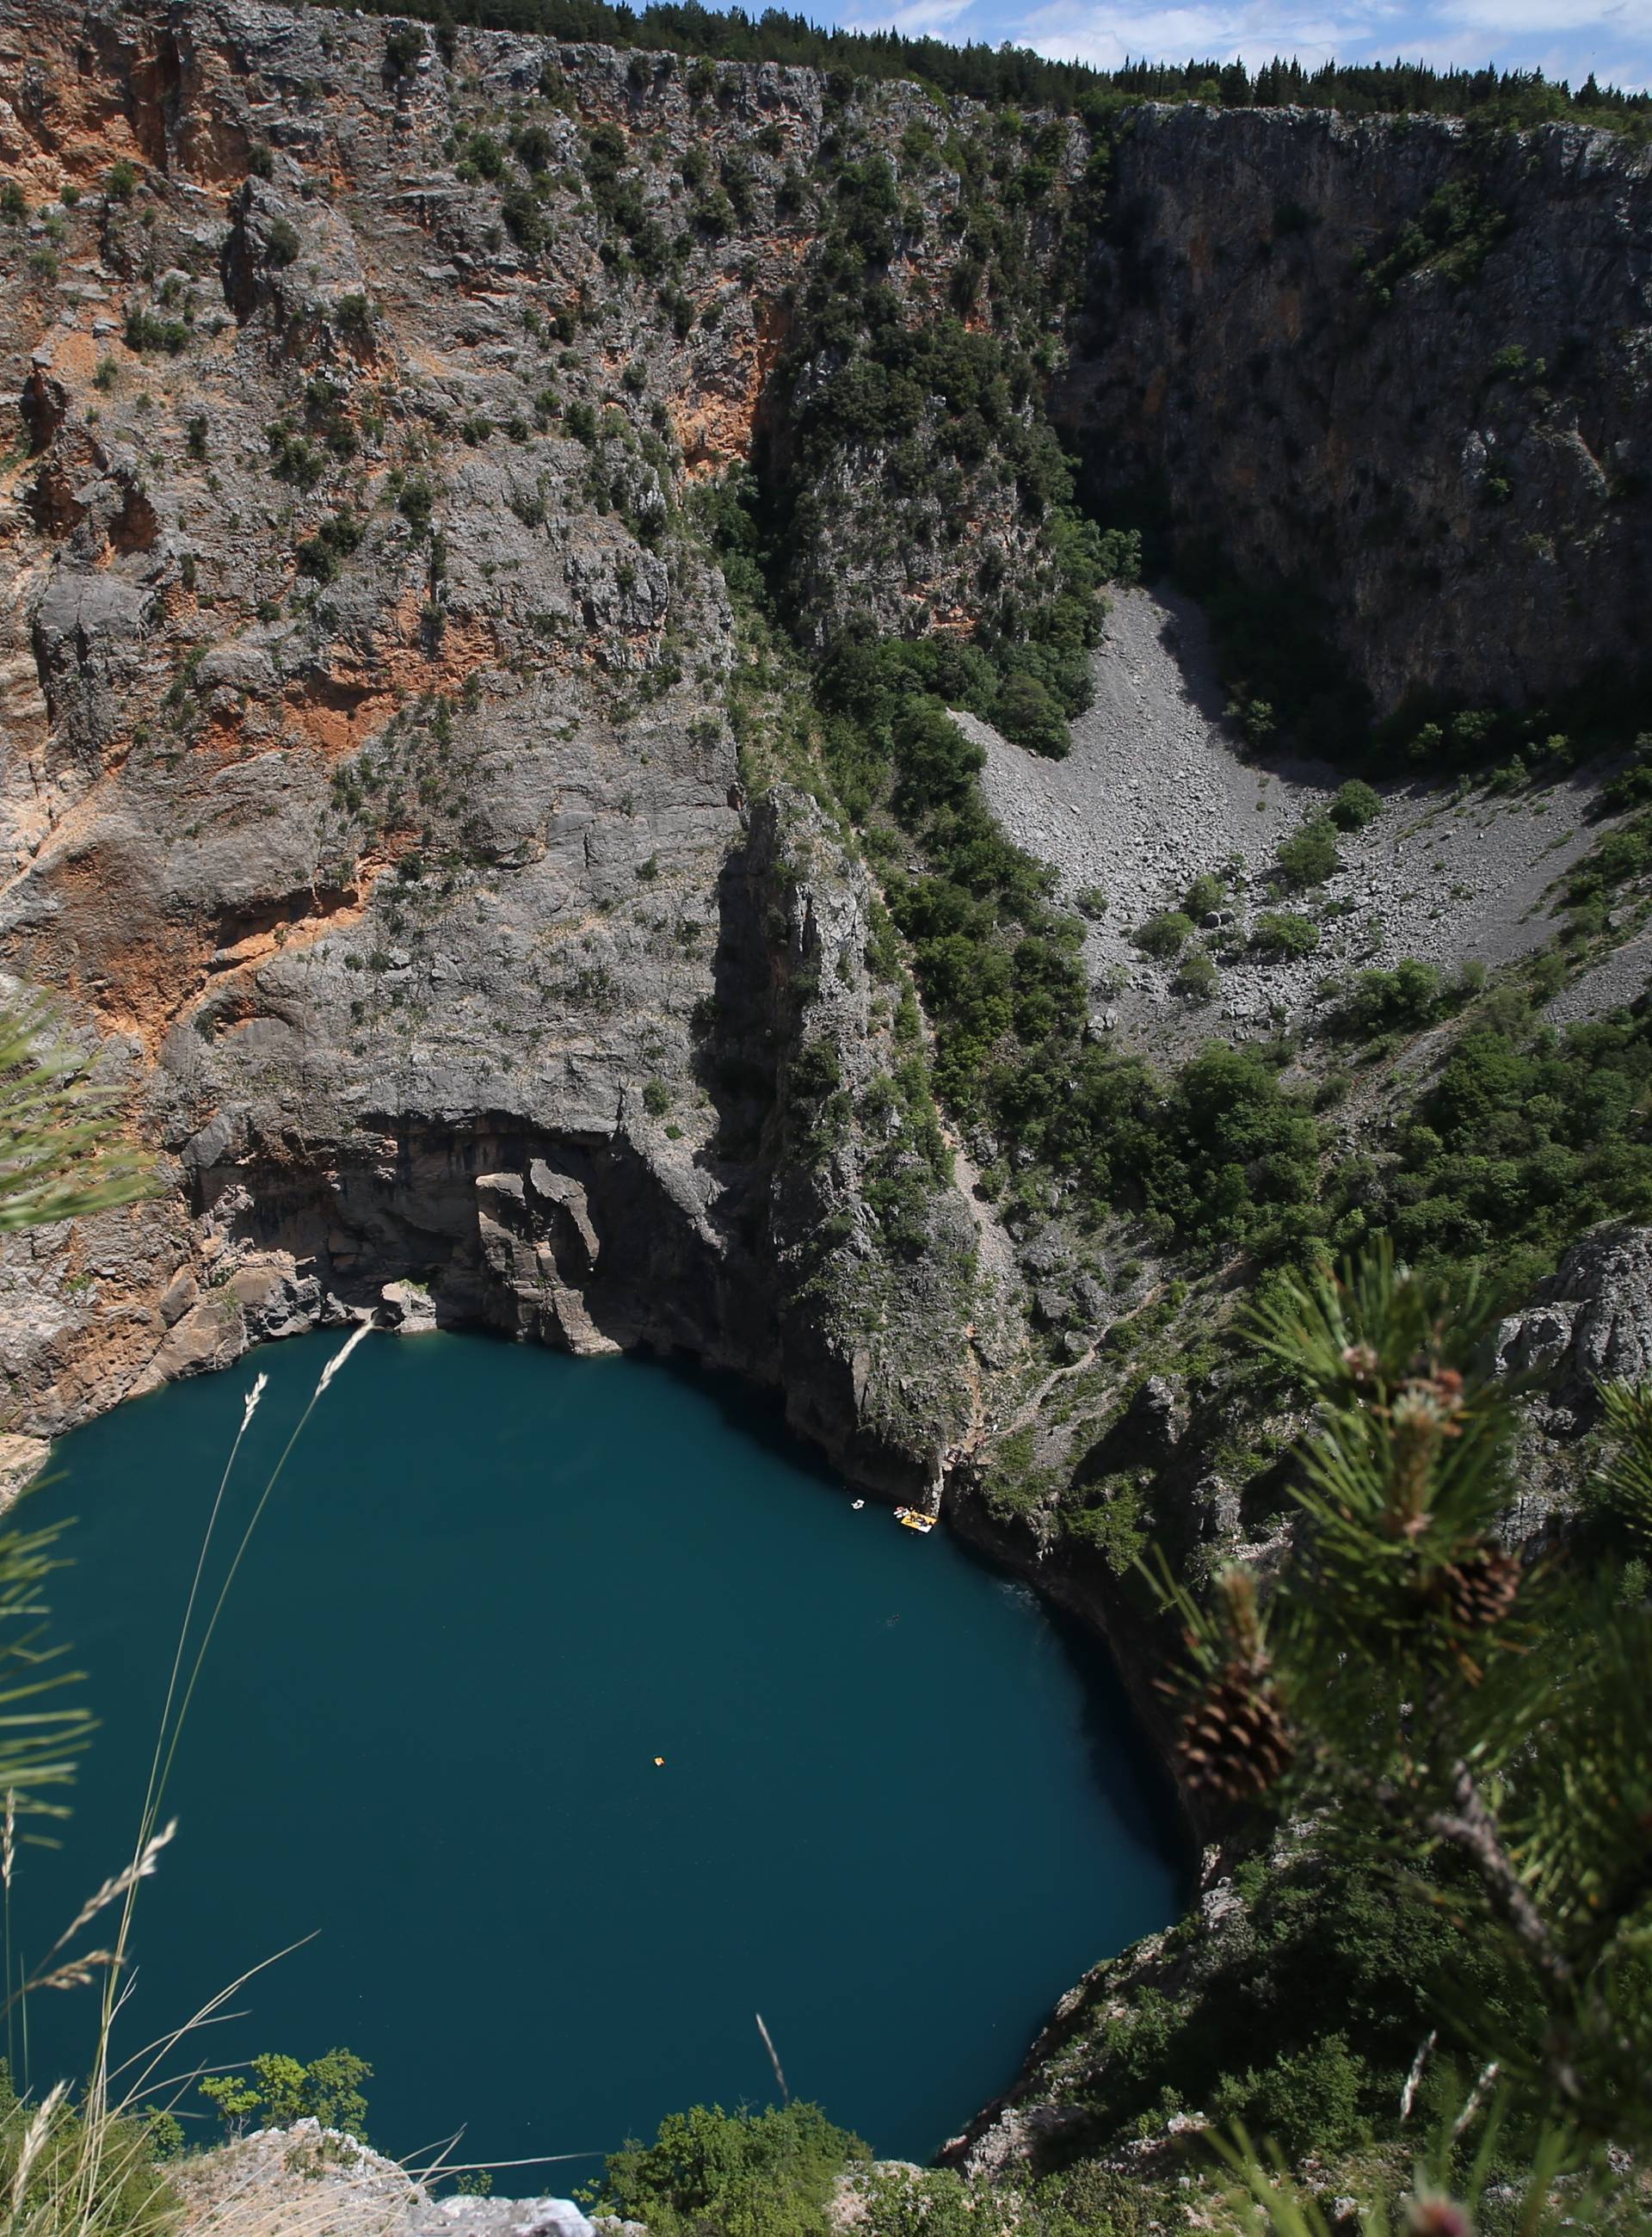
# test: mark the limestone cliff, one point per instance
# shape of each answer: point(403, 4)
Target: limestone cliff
point(1398, 365)
point(371, 780)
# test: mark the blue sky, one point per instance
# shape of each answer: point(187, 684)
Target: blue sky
point(1564, 39)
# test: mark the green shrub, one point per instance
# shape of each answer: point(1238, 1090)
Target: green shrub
point(524, 220)
point(1309, 856)
point(1306, 2101)
point(281, 244)
point(714, 213)
point(534, 148)
point(145, 333)
point(1205, 896)
point(740, 2174)
point(906, 2201)
point(1116, 1524)
point(1164, 935)
point(416, 504)
point(815, 1073)
point(403, 49)
point(657, 1098)
point(1355, 806)
point(1283, 935)
point(120, 181)
point(321, 555)
point(1196, 978)
point(1030, 717)
point(88, 2171)
point(1389, 1001)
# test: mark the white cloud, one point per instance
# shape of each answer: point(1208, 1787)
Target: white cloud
point(1564, 39)
point(1108, 35)
point(1523, 19)
point(915, 19)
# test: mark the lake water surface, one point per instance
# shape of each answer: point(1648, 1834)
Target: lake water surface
point(901, 1808)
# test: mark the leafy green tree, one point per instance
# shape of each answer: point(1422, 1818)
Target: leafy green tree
point(1028, 716)
point(277, 2090)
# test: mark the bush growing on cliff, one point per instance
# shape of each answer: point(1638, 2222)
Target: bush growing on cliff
point(282, 244)
point(403, 50)
point(712, 2174)
point(43, 2169)
point(1527, 1137)
point(277, 2090)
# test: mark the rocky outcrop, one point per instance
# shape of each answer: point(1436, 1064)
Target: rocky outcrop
point(1394, 366)
point(311, 2177)
point(1589, 1323)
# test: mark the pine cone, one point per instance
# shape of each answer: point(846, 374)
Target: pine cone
point(1233, 1742)
point(1482, 1588)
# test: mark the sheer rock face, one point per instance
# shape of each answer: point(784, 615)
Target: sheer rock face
point(1461, 473)
point(368, 783)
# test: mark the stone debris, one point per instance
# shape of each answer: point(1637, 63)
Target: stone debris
point(1158, 789)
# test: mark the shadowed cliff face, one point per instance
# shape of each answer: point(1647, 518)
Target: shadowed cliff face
point(1398, 365)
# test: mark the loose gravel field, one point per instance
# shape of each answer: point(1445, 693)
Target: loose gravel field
point(1158, 788)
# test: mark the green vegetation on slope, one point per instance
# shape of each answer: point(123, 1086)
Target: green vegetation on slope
point(712, 2174)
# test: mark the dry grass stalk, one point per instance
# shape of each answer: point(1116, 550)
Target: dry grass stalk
point(139, 1869)
point(34, 2137)
point(75, 1972)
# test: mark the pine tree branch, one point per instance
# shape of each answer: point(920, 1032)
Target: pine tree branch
point(1472, 1828)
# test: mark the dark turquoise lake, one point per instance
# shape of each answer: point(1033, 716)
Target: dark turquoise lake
point(900, 1807)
